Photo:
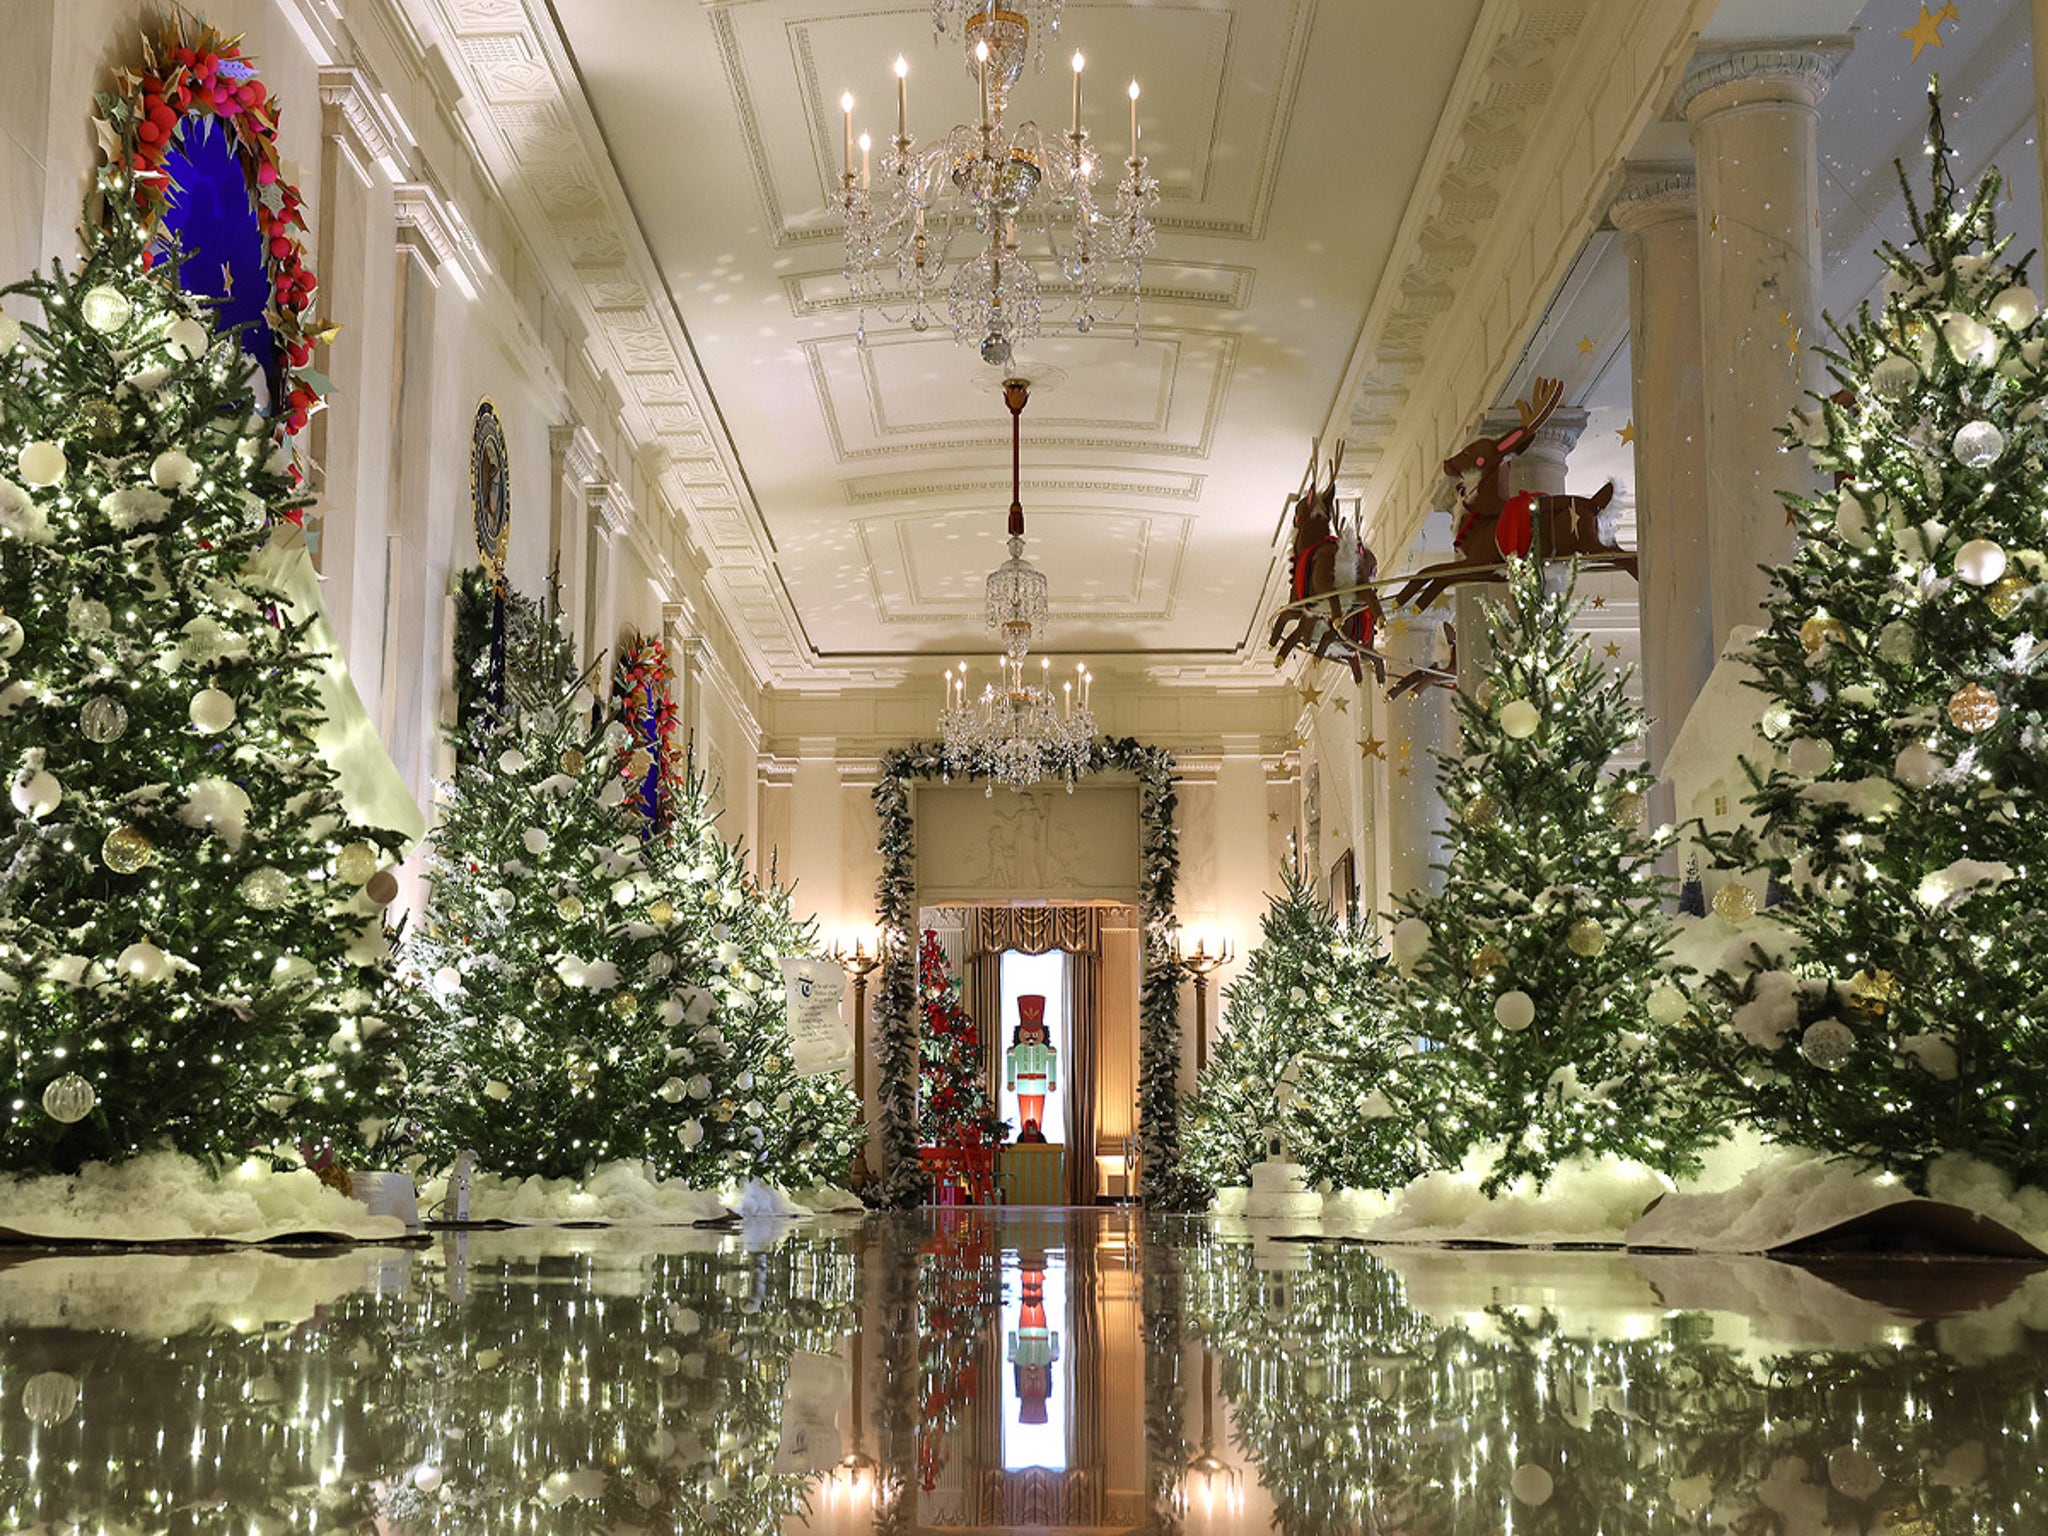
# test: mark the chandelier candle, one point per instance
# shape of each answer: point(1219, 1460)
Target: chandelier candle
point(1079, 64)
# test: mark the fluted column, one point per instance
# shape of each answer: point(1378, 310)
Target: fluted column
point(1657, 216)
point(1754, 113)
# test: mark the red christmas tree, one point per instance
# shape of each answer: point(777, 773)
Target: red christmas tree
point(954, 1109)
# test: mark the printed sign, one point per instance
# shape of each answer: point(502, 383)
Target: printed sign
point(818, 1036)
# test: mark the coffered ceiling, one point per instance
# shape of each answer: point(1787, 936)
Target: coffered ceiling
point(1335, 174)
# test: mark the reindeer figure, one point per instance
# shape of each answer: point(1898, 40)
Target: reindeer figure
point(1330, 562)
point(1495, 523)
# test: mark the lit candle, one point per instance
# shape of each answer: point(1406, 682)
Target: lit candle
point(1067, 689)
point(1079, 64)
point(846, 106)
point(1134, 119)
point(981, 62)
point(902, 97)
point(866, 144)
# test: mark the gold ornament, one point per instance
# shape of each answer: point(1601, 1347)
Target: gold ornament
point(638, 764)
point(266, 889)
point(338, 1179)
point(1628, 809)
point(772, 1065)
point(1735, 902)
point(126, 850)
point(355, 864)
point(625, 1004)
point(572, 761)
point(569, 908)
point(99, 420)
point(1973, 708)
point(548, 988)
point(725, 1111)
point(1586, 938)
point(581, 1073)
point(1819, 630)
point(2004, 596)
point(661, 912)
point(1874, 992)
point(1482, 811)
point(1487, 960)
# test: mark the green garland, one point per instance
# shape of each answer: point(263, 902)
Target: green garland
point(1166, 1188)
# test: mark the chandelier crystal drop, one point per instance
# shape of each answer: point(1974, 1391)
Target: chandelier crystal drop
point(942, 228)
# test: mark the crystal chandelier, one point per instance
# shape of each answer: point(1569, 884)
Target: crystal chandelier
point(939, 226)
point(1018, 733)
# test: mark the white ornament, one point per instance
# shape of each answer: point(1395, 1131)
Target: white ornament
point(447, 981)
point(1897, 642)
point(1531, 1485)
point(691, 1133)
point(11, 635)
point(511, 760)
point(173, 471)
point(1978, 444)
point(10, 333)
point(104, 308)
point(1519, 719)
point(41, 463)
point(1895, 377)
point(426, 1477)
point(68, 1099)
point(1854, 1473)
point(673, 1090)
point(1852, 521)
point(1411, 937)
point(1514, 1011)
point(212, 711)
point(535, 840)
point(1980, 562)
point(187, 339)
point(50, 1398)
point(36, 794)
point(1970, 339)
point(1666, 1004)
point(1827, 1043)
point(497, 1091)
point(1810, 757)
point(142, 961)
point(1917, 766)
point(2016, 308)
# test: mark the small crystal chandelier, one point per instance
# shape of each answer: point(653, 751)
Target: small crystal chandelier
point(1018, 733)
point(976, 188)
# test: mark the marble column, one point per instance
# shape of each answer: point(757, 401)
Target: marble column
point(1419, 724)
point(1753, 114)
point(1657, 217)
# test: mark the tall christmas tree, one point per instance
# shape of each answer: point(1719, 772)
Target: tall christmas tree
point(1535, 973)
point(1906, 680)
point(953, 1104)
point(189, 925)
point(1308, 1042)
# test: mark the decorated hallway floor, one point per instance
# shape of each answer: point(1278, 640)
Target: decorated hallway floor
point(1051, 1371)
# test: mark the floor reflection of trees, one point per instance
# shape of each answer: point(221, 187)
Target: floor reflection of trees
point(1364, 1414)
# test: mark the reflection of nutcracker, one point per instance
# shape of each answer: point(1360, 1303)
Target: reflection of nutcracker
point(1033, 1067)
point(1033, 1350)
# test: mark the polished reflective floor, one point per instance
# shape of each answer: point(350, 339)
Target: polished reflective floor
point(1068, 1371)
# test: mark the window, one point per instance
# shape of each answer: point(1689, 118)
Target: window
point(1044, 976)
point(1037, 1385)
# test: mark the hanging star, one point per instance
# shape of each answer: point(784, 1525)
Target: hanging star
point(1301, 741)
point(1600, 601)
point(1613, 651)
point(1272, 815)
point(1404, 750)
point(1924, 33)
point(1404, 770)
point(1950, 12)
point(1585, 346)
point(1627, 432)
point(1311, 695)
point(1372, 746)
point(1401, 626)
point(1341, 704)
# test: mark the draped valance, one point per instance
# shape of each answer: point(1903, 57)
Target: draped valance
point(1035, 930)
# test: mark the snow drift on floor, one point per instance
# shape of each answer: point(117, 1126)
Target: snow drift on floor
point(163, 1295)
point(617, 1194)
point(163, 1197)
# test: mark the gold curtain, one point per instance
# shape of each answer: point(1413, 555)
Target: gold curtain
point(1084, 976)
point(984, 1002)
point(1036, 930)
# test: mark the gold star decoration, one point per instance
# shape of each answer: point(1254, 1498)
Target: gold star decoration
point(1372, 746)
point(1404, 750)
point(1400, 626)
point(1301, 741)
point(1613, 651)
point(1404, 770)
point(1341, 704)
point(1585, 346)
point(1926, 32)
point(1600, 601)
point(1311, 695)
point(1272, 816)
point(1627, 433)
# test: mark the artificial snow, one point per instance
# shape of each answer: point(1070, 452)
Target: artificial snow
point(1586, 1200)
point(164, 1197)
point(621, 1194)
point(246, 1291)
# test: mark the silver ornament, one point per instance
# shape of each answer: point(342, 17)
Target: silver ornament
point(69, 1099)
point(103, 719)
point(1978, 444)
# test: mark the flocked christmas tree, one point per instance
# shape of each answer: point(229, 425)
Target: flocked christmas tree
point(1904, 669)
point(1535, 973)
point(189, 926)
point(1308, 1041)
point(592, 991)
point(953, 1104)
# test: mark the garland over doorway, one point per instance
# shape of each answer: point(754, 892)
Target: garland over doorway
point(1159, 999)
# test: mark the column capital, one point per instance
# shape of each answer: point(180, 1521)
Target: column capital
point(1653, 195)
point(614, 508)
point(1748, 74)
point(353, 114)
point(575, 452)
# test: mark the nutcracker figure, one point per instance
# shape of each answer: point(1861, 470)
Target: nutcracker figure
point(1033, 1068)
point(1034, 1349)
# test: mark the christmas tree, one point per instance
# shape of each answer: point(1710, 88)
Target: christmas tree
point(189, 925)
point(1535, 973)
point(954, 1108)
point(1905, 680)
point(1307, 1041)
